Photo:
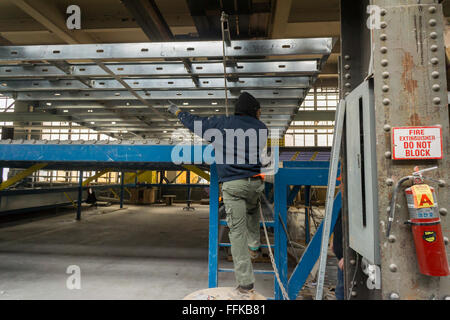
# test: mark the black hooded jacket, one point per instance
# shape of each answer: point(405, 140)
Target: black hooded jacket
point(244, 118)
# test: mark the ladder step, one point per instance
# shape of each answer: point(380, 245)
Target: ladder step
point(255, 271)
point(223, 244)
point(223, 222)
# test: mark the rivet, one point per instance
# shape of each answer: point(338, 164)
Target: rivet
point(432, 22)
point(347, 57)
point(389, 182)
point(387, 128)
point(383, 50)
point(388, 154)
point(346, 94)
point(434, 48)
point(386, 102)
point(386, 75)
point(393, 267)
point(394, 296)
point(392, 238)
point(348, 76)
point(383, 25)
point(383, 12)
point(433, 35)
point(436, 87)
point(432, 9)
point(347, 67)
point(352, 262)
point(446, 241)
point(348, 85)
point(383, 37)
point(385, 88)
point(434, 60)
point(437, 100)
point(384, 62)
point(441, 183)
point(447, 298)
point(354, 293)
point(443, 211)
point(435, 74)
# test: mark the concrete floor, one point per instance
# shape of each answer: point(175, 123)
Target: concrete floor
point(139, 252)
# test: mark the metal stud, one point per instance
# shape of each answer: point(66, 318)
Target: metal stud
point(352, 262)
point(443, 211)
point(383, 50)
point(392, 238)
point(435, 74)
point(434, 48)
point(388, 154)
point(387, 128)
point(389, 182)
point(432, 22)
point(384, 62)
point(434, 60)
point(436, 87)
point(383, 25)
point(441, 183)
point(385, 88)
point(383, 37)
point(354, 293)
point(432, 9)
point(347, 67)
point(348, 76)
point(386, 74)
point(393, 267)
point(446, 241)
point(437, 100)
point(383, 12)
point(347, 57)
point(386, 102)
point(348, 85)
point(433, 35)
point(394, 296)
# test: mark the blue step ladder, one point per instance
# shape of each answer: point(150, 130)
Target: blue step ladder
point(293, 174)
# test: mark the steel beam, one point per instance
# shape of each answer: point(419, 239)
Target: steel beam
point(157, 50)
point(21, 175)
point(158, 69)
point(410, 90)
point(155, 84)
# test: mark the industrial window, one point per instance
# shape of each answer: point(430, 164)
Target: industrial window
point(314, 133)
point(6, 105)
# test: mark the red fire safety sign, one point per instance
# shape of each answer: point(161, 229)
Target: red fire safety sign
point(413, 143)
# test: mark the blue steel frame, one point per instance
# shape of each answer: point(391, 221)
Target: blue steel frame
point(293, 173)
point(297, 174)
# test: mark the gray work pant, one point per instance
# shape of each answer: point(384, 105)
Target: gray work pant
point(242, 203)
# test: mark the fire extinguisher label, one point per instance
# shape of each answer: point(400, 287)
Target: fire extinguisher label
point(429, 236)
point(423, 196)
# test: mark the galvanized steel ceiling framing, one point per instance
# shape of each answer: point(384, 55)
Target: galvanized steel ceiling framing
point(127, 86)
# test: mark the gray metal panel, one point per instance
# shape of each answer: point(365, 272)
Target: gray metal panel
point(363, 235)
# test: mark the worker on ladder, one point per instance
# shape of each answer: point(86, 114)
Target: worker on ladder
point(242, 183)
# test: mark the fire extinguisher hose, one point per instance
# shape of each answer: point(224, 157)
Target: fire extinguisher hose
point(393, 201)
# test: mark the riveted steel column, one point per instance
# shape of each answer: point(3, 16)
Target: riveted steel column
point(410, 90)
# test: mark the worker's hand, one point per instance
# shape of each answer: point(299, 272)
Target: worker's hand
point(341, 264)
point(174, 109)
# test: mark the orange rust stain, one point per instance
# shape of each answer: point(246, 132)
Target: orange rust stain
point(415, 120)
point(409, 84)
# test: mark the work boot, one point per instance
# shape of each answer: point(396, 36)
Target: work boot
point(243, 293)
point(255, 254)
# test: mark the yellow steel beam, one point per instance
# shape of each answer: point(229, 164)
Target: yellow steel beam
point(197, 171)
point(70, 199)
point(21, 175)
point(96, 176)
point(295, 156)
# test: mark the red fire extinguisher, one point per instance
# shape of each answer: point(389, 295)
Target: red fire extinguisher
point(425, 224)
